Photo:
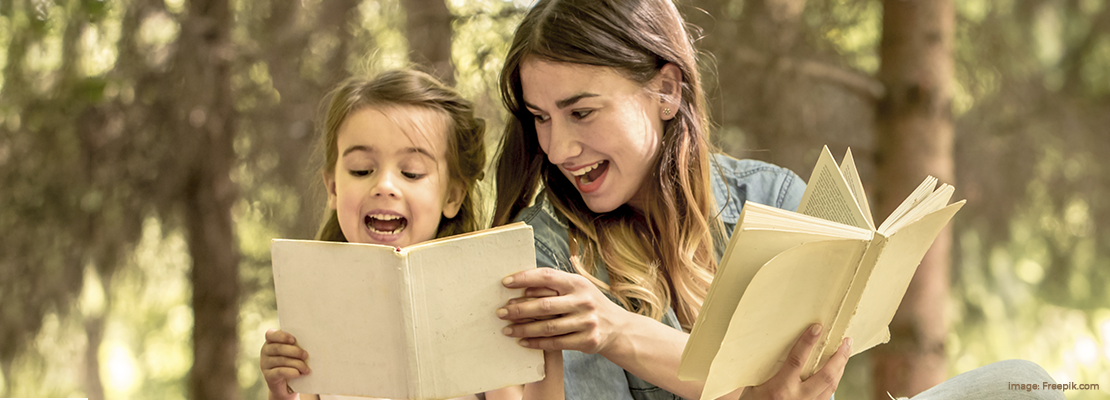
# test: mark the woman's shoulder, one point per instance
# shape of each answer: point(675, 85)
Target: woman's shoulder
point(735, 181)
point(550, 231)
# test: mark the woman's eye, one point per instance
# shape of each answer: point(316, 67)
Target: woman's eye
point(540, 118)
point(580, 114)
point(412, 175)
point(360, 172)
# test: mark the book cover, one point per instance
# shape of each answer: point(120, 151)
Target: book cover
point(411, 323)
point(783, 271)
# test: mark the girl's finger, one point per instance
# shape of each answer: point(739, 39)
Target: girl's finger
point(284, 363)
point(284, 350)
point(277, 336)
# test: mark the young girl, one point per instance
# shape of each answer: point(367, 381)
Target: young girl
point(633, 206)
point(403, 154)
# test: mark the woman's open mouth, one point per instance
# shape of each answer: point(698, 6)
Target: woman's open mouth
point(589, 178)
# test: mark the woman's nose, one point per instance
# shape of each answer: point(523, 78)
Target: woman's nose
point(562, 143)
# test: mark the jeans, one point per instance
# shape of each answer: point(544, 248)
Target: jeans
point(993, 382)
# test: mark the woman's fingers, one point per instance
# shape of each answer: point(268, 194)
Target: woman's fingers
point(796, 360)
point(546, 278)
point(829, 375)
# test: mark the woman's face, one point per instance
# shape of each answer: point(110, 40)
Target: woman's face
point(602, 130)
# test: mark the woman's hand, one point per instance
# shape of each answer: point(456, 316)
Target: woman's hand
point(561, 311)
point(282, 360)
point(788, 383)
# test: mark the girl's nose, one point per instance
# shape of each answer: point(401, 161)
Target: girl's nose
point(385, 186)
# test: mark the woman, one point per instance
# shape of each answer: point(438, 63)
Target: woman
point(610, 129)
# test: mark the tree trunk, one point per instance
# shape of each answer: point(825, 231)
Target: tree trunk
point(915, 139)
point(208, 122)
point(428, 29)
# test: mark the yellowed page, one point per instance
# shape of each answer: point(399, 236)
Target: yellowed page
point(799, 287)
point(377, 326)
point(334, 297)
point(919, 194)
point(762, 234)
point(459, 340)
point(893, 271)
point(855, 185)
point(827, 195)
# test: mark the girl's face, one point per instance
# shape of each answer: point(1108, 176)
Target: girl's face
point(390, 184)
point(602, 130)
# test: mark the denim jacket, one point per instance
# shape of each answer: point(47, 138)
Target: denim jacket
point(591, 376)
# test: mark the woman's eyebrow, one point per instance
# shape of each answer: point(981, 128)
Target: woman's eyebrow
point(564, 103)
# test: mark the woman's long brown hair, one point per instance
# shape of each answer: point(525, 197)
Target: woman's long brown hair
point(658, 257)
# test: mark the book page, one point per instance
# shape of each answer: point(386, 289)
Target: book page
point(827, 195)
point(892, 274)
point(855, 185)
point(799, 287)
point(922, 191)
point(735, 272)
point(334, 298)
point(459, 340)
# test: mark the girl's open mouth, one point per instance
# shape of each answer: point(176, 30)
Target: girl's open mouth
point(385, 224)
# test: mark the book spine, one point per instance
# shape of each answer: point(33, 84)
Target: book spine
point(851, 301)
point(411, 309)
point(834, 334)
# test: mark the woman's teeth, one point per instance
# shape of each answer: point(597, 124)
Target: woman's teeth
point(584, 174)
point(586, 170)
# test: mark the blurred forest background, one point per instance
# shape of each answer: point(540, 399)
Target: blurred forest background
point(150, 149)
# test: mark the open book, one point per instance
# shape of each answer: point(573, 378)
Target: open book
point(411, 323)
point(827, 264)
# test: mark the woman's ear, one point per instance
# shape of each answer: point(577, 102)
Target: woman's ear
point(670, 90)
point(456, 192)
point(329, 183)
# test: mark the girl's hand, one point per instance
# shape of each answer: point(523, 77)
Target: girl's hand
point(561, 311)
point(282, 360)
point(788, 383)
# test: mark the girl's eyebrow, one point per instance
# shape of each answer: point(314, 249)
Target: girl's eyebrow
point(407, 150)
point(355, 148)
point(564, 103)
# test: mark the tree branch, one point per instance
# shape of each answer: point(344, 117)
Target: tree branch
point(863, 85)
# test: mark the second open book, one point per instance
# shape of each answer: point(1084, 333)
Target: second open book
point(826, 263)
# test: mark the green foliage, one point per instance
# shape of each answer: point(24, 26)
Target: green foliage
point(89, 165)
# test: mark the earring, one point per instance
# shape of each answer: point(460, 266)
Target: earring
point(666, 111)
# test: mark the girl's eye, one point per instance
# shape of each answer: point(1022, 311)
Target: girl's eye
point(412, 175)
point(581, 114)
point(540, 118)
point(360, 172)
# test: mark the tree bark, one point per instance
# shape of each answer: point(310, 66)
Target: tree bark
point(208, 121)
point(429, 32)
point(915, 139)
